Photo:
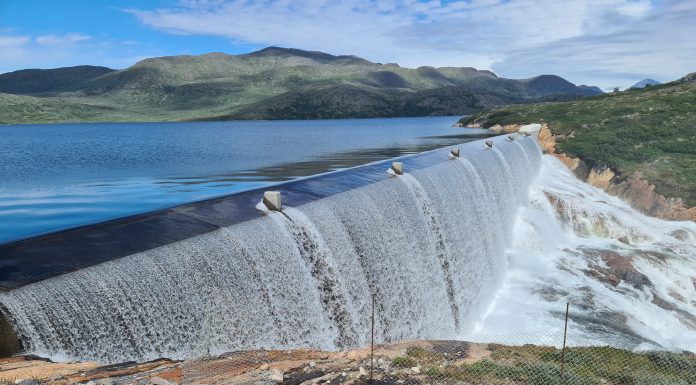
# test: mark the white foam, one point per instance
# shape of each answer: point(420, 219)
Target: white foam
point(549, 255)
point(429, 245)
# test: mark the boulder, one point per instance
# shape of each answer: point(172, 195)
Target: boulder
point(601, 177)
point(529, 129)
point(9, 341)
point(276, 375)
point(689, 78)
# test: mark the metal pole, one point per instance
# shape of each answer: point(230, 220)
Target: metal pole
point(372, 340)
point(565, 334)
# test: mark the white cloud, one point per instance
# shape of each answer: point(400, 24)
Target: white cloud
point(51, 51)
point(13, 41)
point(62, 39)
point(607, 40)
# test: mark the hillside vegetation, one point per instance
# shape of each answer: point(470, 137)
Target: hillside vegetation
point(273, 83)
point(651, 130)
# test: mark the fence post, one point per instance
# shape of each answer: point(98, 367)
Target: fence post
point(372, 339)
point(565, 334)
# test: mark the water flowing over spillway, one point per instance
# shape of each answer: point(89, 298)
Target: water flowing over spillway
point(630, 279)
point(489, 246)
point(428, 245)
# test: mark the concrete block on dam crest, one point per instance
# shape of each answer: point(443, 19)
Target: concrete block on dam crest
point(272, 200)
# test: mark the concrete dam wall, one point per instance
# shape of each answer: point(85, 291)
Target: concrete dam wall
point(427, 240)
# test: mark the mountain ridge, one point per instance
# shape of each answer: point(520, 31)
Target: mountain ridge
point(640, 142)
point(271, 83)
point(645, 83)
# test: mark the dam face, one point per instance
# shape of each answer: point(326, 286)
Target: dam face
point(429, 245)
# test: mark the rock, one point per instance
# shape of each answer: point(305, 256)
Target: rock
point(415, 369)
point(362, 372)
point(601, 178)
point(343, 374)
point(312, 364)
point(624, 239)
point(642, 196)
point(689, 78)
point(635, 190)
point(681, 235)
point(529, 129)
point(276, 375)
point(618, 268)
point(30, 382)
point(56, 377)
point(160, 381)
point(9, 342)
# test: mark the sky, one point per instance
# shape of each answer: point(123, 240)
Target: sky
point(606, 43)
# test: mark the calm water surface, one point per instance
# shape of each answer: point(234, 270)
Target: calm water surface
point(58, 176)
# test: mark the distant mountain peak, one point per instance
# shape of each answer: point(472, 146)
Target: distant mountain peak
point(644, 83)
point(36, 81)
point(318, 56)
point(554, 84)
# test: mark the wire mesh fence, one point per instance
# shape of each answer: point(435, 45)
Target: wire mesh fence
point(551, 357)
point(448, 362)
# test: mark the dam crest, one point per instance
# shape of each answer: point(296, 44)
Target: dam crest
point(429, 244)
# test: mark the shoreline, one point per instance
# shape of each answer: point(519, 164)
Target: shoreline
point(634, 189)
point(410, 362)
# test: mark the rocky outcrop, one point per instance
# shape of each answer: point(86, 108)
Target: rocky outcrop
point(613, 268)
point(400, 362)
point(601, 179)
point(507, 129)
point(635, 190)
point(9, 342)
point(642, 196)
point(689, 77)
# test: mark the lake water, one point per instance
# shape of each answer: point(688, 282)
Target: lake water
point(58, 176)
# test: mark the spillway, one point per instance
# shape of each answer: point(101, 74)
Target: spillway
point(429, 245)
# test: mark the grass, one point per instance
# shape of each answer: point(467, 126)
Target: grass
point(219, 86)
point(538, 365)
point(651, 130)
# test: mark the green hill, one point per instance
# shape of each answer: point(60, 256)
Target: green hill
point(35, 81)
point(273, 83)
point(651, 130)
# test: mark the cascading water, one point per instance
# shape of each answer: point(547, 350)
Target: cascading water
point(429, 246)
point(637, 292)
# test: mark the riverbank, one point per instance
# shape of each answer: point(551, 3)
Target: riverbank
point(637, 144)
point(639, 192)
point(415, 362)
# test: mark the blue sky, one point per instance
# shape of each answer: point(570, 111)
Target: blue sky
point(600, 42)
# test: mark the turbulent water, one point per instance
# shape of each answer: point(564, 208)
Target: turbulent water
point(429, 245)
point(493, 243)
point(566, 248)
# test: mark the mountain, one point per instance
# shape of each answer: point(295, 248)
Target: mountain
point(35, 81)
point(272, 83)
point(644, 134)
point(552, 84)
point(645, 83)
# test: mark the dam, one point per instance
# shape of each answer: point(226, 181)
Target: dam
point(227, 274)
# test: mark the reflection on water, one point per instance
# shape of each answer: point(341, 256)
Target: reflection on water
point(69, 175)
